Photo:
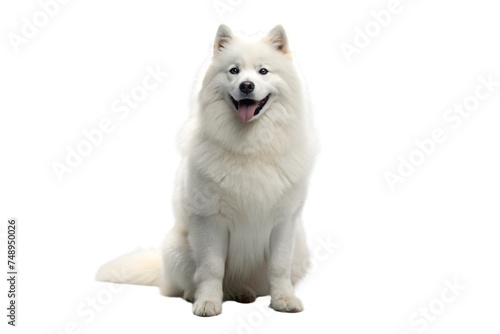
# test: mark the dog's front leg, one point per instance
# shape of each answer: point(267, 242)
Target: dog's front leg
point(283, 297)
point(209, 240)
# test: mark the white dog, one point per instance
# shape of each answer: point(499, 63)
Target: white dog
point(248, 151)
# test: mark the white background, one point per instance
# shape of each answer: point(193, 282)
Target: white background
point(397, 248)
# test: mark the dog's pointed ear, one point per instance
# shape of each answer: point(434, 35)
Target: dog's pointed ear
point(277, 37)
point(223, 37)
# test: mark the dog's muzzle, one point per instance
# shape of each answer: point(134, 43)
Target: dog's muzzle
point(248, 108)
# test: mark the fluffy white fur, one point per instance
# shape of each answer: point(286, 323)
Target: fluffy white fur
point(240, 188)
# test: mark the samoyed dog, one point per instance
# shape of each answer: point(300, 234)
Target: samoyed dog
point(248, 151)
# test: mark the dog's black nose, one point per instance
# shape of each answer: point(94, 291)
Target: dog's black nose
point(247, 87)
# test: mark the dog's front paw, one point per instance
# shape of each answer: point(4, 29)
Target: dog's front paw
point(207, 308)
point(287, 304)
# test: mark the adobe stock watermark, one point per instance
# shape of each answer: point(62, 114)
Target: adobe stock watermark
point(88, 310)
point(379, 20)
point(121, 106)
point(453, 118)
point(420, 320)
point(323, 250)
point(221, 7)
point(32, 25)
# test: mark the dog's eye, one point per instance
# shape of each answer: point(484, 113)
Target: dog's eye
point(263, 71)
point(234, 70)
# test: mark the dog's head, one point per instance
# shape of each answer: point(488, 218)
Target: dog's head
point(250, 75)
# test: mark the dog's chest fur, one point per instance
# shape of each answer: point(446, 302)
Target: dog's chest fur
point(248, 180)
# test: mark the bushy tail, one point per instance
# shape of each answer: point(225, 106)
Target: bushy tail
point(141, 267)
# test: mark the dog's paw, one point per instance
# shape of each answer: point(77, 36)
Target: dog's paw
point(242, 295)
point(245, 298)
point(287, 304)
point(207, 308)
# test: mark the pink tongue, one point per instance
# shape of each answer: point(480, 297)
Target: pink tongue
point(246, 111)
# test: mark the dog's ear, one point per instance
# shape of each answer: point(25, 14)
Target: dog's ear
point(223, 37)
point(277, 37)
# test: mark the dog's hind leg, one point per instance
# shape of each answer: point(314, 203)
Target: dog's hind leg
point(178, 267)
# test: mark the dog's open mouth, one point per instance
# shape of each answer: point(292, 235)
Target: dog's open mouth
point(248, 108)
